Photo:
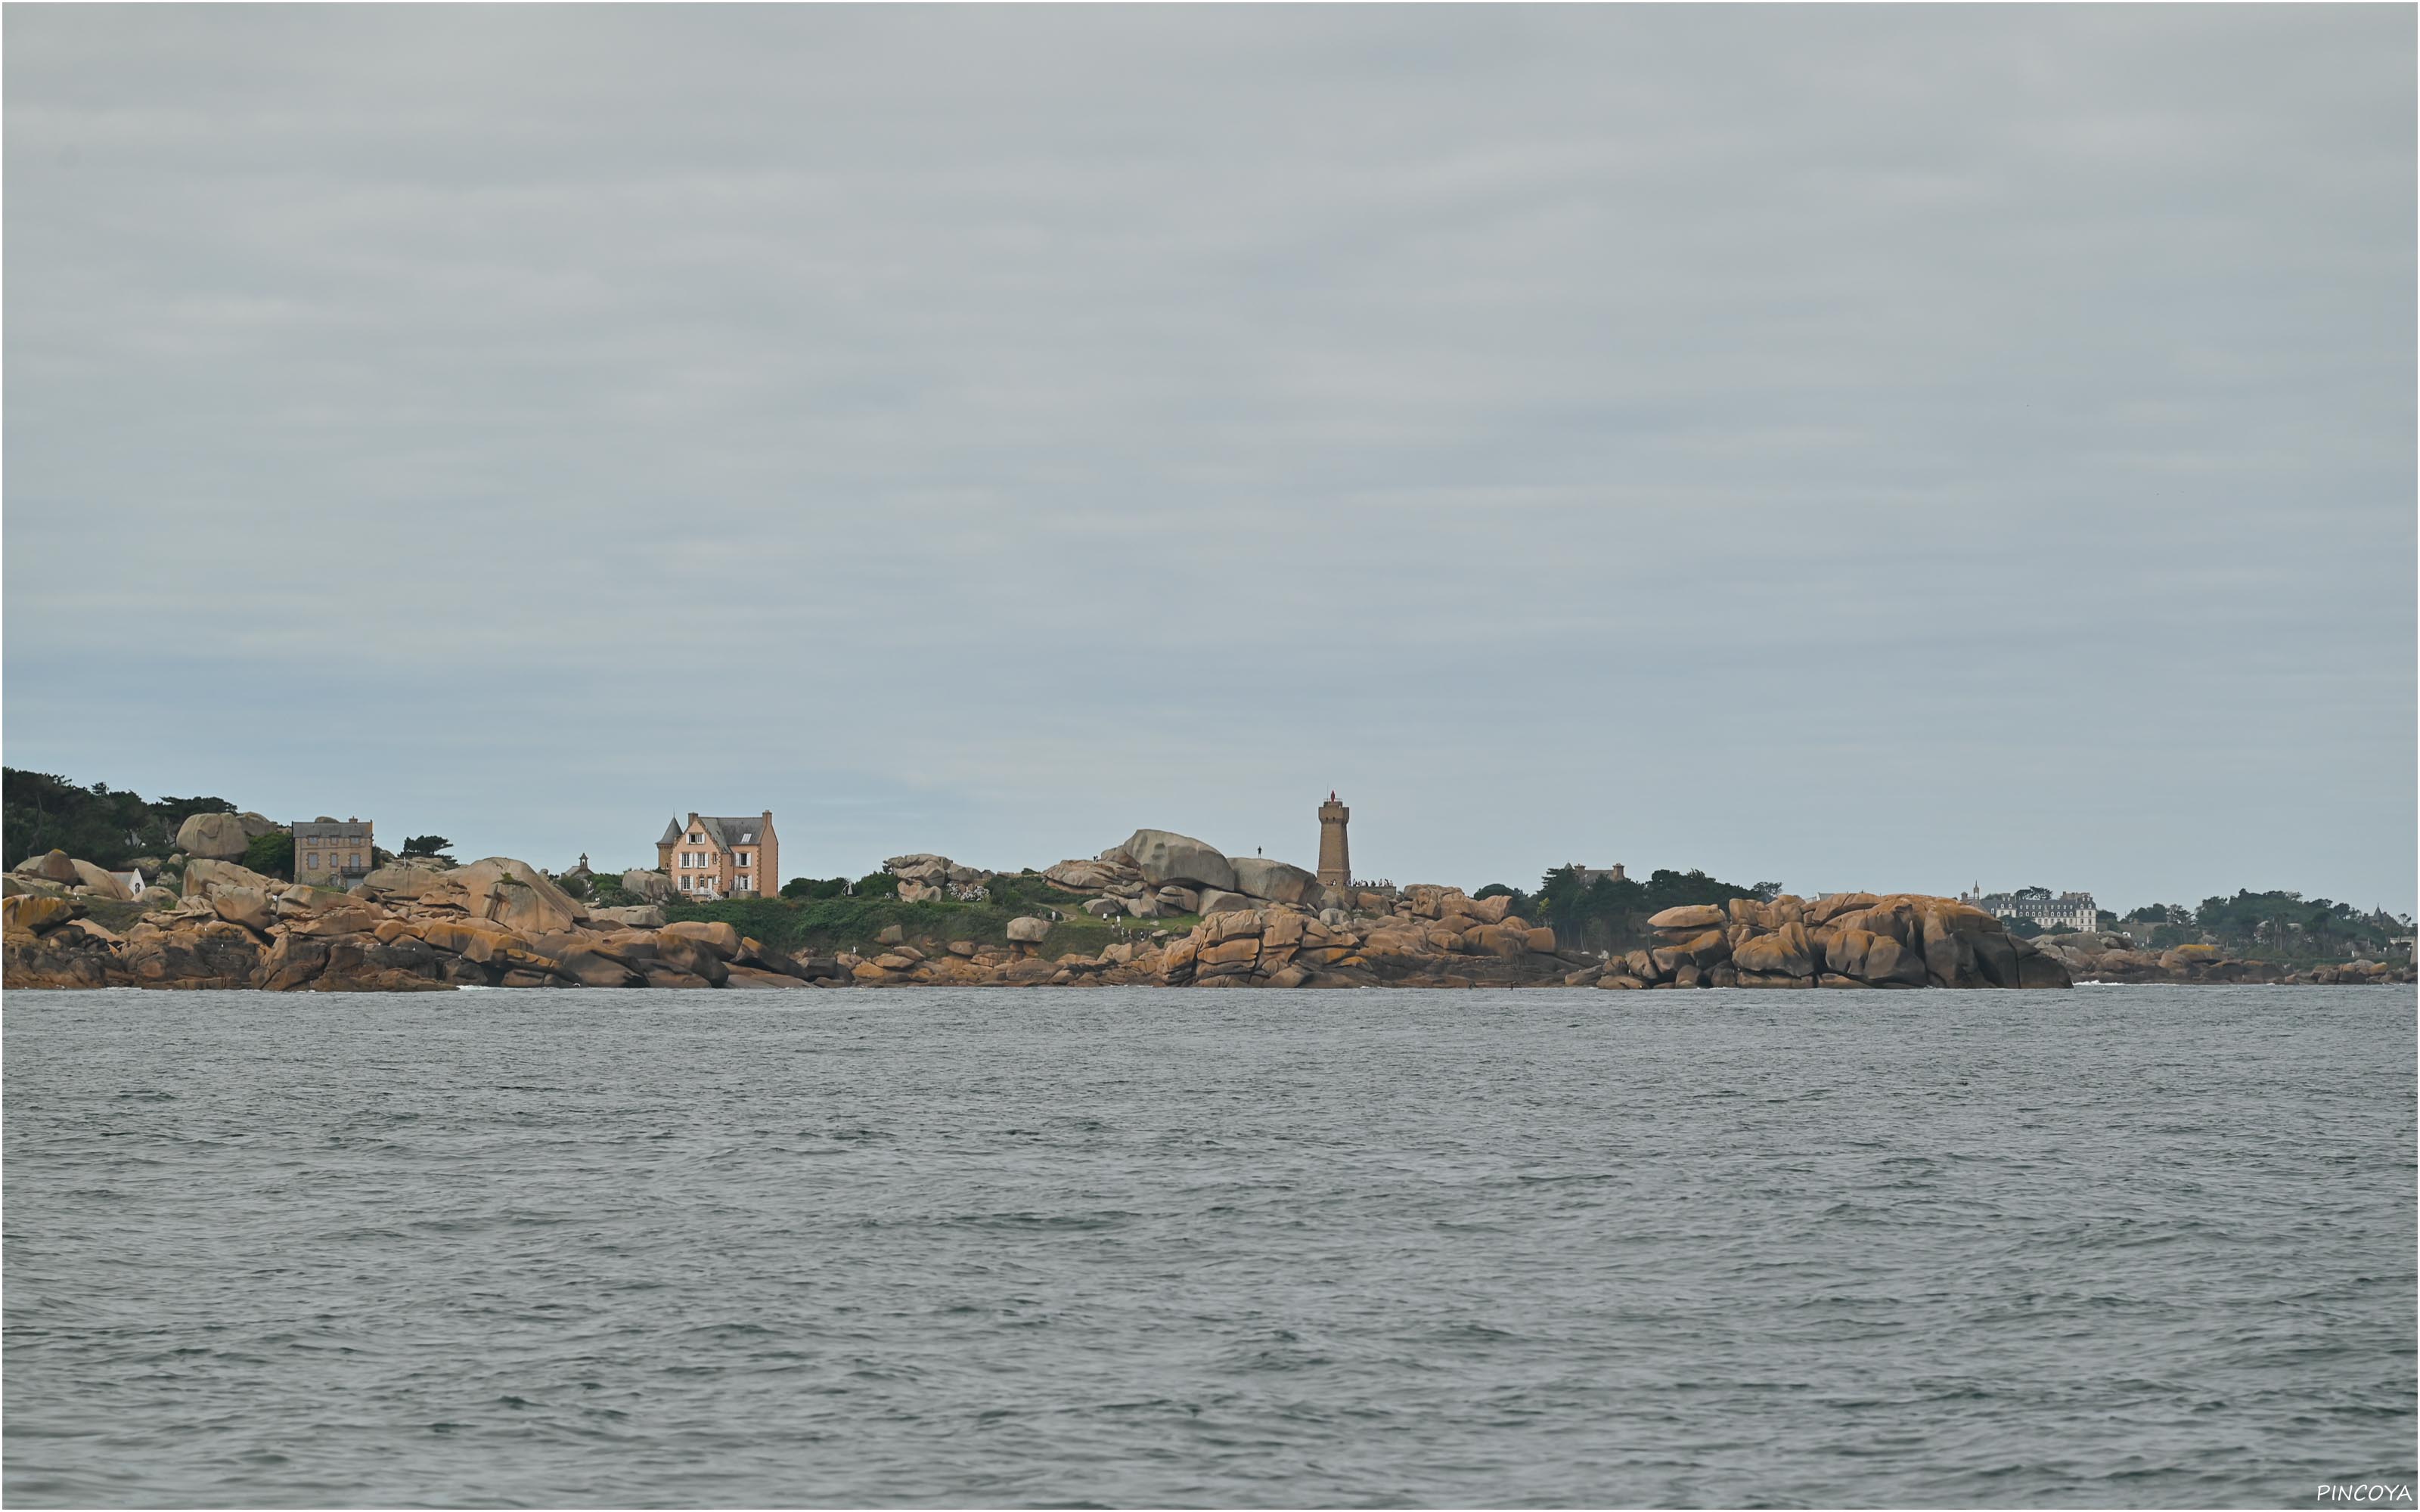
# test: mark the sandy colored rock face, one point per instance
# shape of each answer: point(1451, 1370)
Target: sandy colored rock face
point(404, 879)
point(632, 916)
point(1273, 881)
point(216, 837)
point(204, 877)
point(1216, 901)
point(248, 906)
point(719, 937)
point(516, 895)
point(1028, 930)
point(100, 882)
point(36, 913)
point(1691, 917)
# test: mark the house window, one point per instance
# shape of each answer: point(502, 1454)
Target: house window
point(354, 860)
point(312, 861)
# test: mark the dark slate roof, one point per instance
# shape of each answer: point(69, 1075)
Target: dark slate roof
point(724, 832)
point(730, 832)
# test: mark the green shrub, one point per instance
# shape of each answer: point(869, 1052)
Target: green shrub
point(271, 855)
point(829, 925)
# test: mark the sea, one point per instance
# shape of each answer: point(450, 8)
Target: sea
point(2118, 1246)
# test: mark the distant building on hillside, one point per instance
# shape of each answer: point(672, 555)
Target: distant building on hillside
point(1590, 875)
point(716, 857)
point(2067, 911)
point(332, 852)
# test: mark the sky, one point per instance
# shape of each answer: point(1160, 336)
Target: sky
point(1880, 447)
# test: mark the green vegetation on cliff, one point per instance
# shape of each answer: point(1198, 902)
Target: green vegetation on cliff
point(45, 812)
point(831, 924)
point(2271, 926)
point(1607, 915)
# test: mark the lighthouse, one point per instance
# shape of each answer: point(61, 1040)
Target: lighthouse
point(1334, 861)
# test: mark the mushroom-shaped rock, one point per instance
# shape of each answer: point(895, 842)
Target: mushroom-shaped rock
point(1164, 857)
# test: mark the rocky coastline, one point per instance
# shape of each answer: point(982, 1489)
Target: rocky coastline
point(417, 926)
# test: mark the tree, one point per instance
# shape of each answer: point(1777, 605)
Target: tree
point(429, 845)
point(878, 885)
point(2033, 892)
point(271, 855)
point(45, 811)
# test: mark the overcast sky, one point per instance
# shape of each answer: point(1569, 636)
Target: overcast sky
point(1880, 447)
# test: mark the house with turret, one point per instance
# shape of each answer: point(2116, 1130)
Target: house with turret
point(712, 857)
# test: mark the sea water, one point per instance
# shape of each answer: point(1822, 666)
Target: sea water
point(2129, 1247)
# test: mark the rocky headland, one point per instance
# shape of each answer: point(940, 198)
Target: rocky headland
point(1186, 915)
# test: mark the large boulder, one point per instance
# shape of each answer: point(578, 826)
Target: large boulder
point(36, 914)
point(647, 887)
point(406, 879)
point(1089, 876)
point(632, 916)
point(714, 935)
point(101, 883)
point(1274, 881)
point(217, 837)
point(922, 867)
point(1028, 930)
point(516, 895)
point(252, 907)
point(204, 877)
point(1689, 919)
point(1785, 951)
point(1164, 857)
point(54, 866)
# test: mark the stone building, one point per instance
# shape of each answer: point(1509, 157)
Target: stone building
point(1334, 858)
point(717, 857)
point(1590, 875)
point(332, 852)
point(2067, 912)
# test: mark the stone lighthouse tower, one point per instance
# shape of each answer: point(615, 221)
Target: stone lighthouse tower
point(1334, 861)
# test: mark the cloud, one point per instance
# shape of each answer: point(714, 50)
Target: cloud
point(1684, 437)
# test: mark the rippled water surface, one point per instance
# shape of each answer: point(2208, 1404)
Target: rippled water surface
point(2120, 1246)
